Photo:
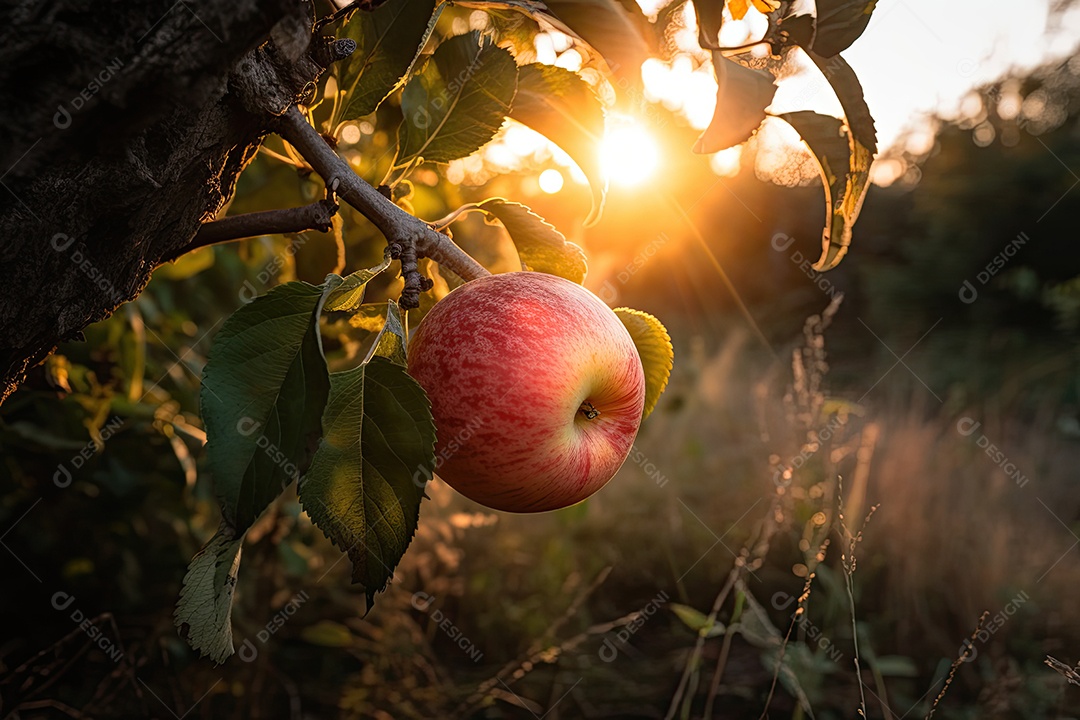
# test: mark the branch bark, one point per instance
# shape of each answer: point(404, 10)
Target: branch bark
point(316, 216)
point(408, 236)
point(136, 131)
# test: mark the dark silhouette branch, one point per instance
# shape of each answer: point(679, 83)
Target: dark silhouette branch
point(407, 236)
point(316, 216)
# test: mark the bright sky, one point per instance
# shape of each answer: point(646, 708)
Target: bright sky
point(916, 58)
point(921, 56)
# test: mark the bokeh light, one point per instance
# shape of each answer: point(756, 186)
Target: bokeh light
point(629, 154)
point(551, 181)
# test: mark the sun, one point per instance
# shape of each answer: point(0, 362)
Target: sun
point(629, 154)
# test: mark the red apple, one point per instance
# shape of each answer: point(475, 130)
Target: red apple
point(536, 389)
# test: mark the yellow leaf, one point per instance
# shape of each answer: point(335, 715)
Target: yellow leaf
point(738, 8)
point(654, 346)
point(766, 6)
point(327, 633)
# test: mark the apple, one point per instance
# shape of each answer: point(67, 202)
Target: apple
point(536, 389)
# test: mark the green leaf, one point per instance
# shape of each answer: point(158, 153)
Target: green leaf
point(561, 106)
point(849, 92)
point(654, 346)
point(741, 98)
point(388, 42)
point(540, 246)
point(365, 484)
point(205, 606)
point(263, 392)
point(457, 101)
point(614, 29)
point(840, 23)
point(698, 621)
point(348, 295)
point(845, 172)
point(392, 339)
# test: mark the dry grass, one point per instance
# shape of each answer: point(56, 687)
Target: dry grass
point(954, 537)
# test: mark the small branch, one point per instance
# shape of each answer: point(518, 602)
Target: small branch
point(446, 221)
point(960, 660)
point(316, 216)
point(333, 50)
point(406, 235)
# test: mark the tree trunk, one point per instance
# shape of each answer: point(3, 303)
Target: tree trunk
point(126, 126)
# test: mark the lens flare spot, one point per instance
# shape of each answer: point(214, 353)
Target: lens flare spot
point(551, 181)
point(629, 154)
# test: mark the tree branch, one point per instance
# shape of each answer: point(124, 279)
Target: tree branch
point(316, 216)
point(408, 236)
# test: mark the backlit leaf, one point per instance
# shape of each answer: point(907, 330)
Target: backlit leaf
point(617, 31)
point(264, 388)
point(845, 173)
point(367, 478)
point(561, 106)
point(741, 98)
point(654, 346)
point(388, 41)
point(457, 101)
point(849, 92)
point(840, 23)
point(205, 607)
point(613, 29)
point(349, 294)
point(391, 340)
point(540, 246)
point(263, 392)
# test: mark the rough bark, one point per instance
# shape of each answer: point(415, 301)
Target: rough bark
point(126, 126)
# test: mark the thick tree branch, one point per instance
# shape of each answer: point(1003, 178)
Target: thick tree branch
point(316, 216)
point(408, 236)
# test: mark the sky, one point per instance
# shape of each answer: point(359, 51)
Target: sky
point(922, 56)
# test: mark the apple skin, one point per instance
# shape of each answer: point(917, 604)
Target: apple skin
point(507, 362)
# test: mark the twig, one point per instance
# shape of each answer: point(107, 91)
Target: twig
point(695, 655)
point(800, 613)
point(721, 666)
point(847, 560)
point(412, 237)
point(548, 655)
point(316, 216)
point(51, 704)
point(536, 652)
point(1067, 672)
point(450, 218)
point(968, 647)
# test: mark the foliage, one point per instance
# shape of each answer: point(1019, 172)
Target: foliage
point(359, 441)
